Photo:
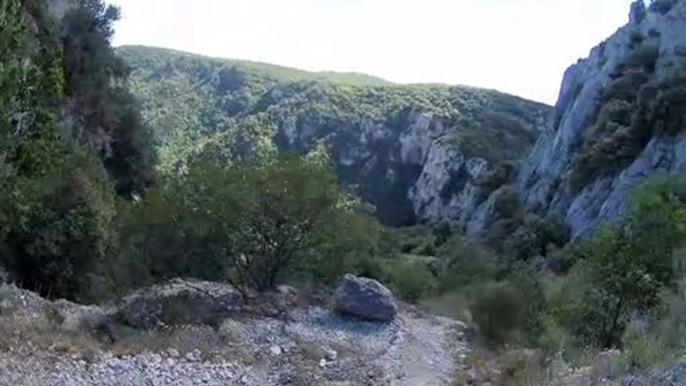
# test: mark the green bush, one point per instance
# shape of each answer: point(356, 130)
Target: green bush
point(254, 225)
point(510, 311)
point(535, 237)
point(464, 262)
point(642, 350)
point(507, 204)
point(412, 280)
point(502, 174)
point(72, 234)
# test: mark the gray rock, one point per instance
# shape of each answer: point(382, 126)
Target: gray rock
point(365, 298)
point(330, 355)
point(180, 302)
point(275, 350)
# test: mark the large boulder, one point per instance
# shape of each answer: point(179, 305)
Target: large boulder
point(180, 302)
point(365, 298)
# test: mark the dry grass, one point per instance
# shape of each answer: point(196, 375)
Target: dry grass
point(21, 330)
point(344, 351)
point(452, 304)
point(310, 351)
point(184, 339)
point(230, 330)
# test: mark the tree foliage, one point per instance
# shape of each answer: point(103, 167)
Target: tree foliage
point(57, 217)
point(624, 268)
point(254, 225)
point(107, 115)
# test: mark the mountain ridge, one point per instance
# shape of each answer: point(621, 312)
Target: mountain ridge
point(352, 78)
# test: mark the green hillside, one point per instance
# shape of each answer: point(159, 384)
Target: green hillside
point(187, 97)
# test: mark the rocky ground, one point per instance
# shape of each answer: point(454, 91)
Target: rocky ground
point(43, 344)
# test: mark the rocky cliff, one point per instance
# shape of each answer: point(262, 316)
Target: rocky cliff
point(412, 151)
point(619, 117)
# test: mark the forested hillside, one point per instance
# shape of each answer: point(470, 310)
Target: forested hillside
point(406, 147)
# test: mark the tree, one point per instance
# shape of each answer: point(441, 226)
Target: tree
point(254, 224)
point(624, 267)
point(534, 237)
point(108, 115)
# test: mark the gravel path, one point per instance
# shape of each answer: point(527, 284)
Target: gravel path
point(315, 347)
point(140, 370)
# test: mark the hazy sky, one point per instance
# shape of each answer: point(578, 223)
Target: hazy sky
point(517, 46)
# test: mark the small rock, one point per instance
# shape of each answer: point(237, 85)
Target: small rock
point(322, 363)
point(244, 379)
point(330, 355)
point(156, 358)
point(173, 353)
point(275, 349)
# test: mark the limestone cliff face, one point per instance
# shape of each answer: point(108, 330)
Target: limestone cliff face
point(544, 180)
point(408, 170)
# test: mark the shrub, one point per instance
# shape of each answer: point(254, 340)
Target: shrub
point(412, 280)
point(73, 233)
point(465, 262)
point(502, 174)
point(254, 225)
point(641, 349)
point(636, 38)
point(645, 57)
point(372, 268)
point(661, 6)
point(229, 330)
point(507, 203)
point(499, 312)
point(535, 237)
point(510, 311)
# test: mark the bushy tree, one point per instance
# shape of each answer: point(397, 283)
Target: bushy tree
point(535, 237)
point(253, 224)
point(107, 117)
point(624, 268)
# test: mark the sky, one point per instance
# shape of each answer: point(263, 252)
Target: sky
point(520, 47)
